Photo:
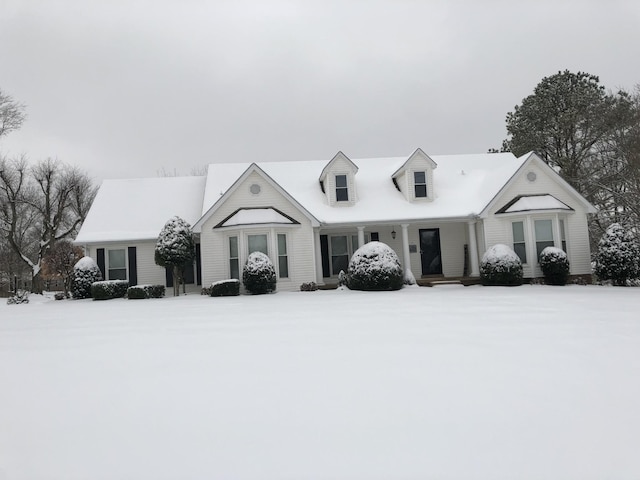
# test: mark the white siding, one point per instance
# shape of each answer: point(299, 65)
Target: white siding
point(405, 179)
point(340, 166)
point(214, 243)
point(497, 229)
point(148, 271)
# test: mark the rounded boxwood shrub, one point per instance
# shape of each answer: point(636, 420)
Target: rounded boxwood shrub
point(375, 266)
point(258, 274)
point(500, 265)
point(225, 288)
point(618, 256)
point(109, 289)
point(555, 266)
point(85, 273)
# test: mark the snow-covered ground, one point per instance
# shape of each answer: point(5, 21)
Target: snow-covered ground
point(449, 382)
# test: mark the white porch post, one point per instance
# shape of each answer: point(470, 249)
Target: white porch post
point(360, 236)
point(318, 255)
point(406, 257)
point(473, 249)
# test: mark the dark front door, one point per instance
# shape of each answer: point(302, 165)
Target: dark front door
point(430, 251)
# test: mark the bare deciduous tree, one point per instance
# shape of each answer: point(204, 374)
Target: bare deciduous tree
point(60, 260)
point(12, 114)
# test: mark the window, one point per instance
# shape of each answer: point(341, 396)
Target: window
point(544, 235)
point(117, 265)
point(563, 238)
point(375, 237)
point(234, 262)
point(342, 190)
point(420, 184)
point(339, 254)
point(519, 245)
point(257, 243)
point(283, 260)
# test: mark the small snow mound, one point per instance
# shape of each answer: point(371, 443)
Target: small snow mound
point(85, 263)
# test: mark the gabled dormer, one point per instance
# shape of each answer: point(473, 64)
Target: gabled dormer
point(338, 182)
point(415, 177)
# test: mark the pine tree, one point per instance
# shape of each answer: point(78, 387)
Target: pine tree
point(175, 248)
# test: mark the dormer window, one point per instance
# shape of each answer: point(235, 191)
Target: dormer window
point(420, 184)
point(342, 188)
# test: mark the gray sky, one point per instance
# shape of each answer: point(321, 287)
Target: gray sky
point(128, 88)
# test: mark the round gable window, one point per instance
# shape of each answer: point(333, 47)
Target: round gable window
point(531, 176)
point(255, 189)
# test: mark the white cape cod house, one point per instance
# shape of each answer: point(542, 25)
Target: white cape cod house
point(439, 213)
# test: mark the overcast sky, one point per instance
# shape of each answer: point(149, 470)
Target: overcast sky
point(129, 88)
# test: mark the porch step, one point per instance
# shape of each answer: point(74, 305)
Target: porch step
point(433, 282)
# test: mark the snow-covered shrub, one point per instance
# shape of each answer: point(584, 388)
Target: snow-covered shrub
point(309, 287)
point(225, 288)
point(258, 274)
point(555, 266)
point(175, 248)
point(109, 289)
point(375, 266)
point(500, 265)
point(145, 291)
point(21, 296)
point(618, 255)
point(342, 278)
point(85, 272)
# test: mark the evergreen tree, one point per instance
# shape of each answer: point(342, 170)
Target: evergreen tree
point(618, 256)
point(175, 248)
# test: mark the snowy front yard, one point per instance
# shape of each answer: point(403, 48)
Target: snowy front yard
point(529, 382)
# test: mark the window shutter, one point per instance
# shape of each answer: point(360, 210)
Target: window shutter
point(198, 271)
point(100, 262)
point(133, 266)
point(324, 250)
point(169, 276)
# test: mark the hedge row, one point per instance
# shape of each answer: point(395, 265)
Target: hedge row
point(109, 289)
point(145, 291)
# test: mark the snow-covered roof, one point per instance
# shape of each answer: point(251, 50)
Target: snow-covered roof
point(463, 186)
point(525, 203)
point(137, 209)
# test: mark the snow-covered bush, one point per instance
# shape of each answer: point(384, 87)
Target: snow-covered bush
point(375, 266)
point(21, 296)
point(618, 255)
point(309, 287)
point(225, 288)
point(109, 289)
point(258, 274)
point(145, 291)
point(500, 265)
point(85, 272)
point(555, 266)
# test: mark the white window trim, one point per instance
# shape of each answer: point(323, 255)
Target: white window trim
point(107, 267)
point(272, 248)
point(413, 184)
point(349, 199)
point(530, 236)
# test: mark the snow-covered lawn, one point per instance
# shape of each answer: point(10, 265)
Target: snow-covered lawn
point(449, 382)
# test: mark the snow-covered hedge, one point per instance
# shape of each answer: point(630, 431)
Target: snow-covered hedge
point(85, 273)
point(309, 287)
point(258, 274)
point(109, 289)
point(500, 266)
point(225, 288)
point(555, 266)
point(618, 256)
point(375, 266)
point(145, 291)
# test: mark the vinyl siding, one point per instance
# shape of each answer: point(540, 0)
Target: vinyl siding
point(148, 271)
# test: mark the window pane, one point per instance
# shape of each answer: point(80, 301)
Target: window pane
point(258, 243)
point(419, 177)
point(116, 259)
point(518, 231)
point(375, 237)
point(341, 181)
point(117, 274)
point(354, 242)
point(342, 195)
point(544, 231)
point(541, 246)
point(233, 247)
point(421, 191)
point(282, 244)
point(234, 271)
point(339, 245)
point(283, 267)
point(521, 251)
point(340, 262)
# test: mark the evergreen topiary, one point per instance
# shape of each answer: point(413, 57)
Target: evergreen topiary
point(375, 266)
point(258, 274)
point(85, 273)
point(500, 266)
point(618, 255)
point(108, 289)
point(555, 266)
point(175, 248)
point(145, 291)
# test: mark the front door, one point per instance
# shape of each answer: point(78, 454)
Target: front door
point(430, 251)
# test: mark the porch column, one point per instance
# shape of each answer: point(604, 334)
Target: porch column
point(406, 257)
point(473, 249)
point(360, 236)
point(318, 254)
